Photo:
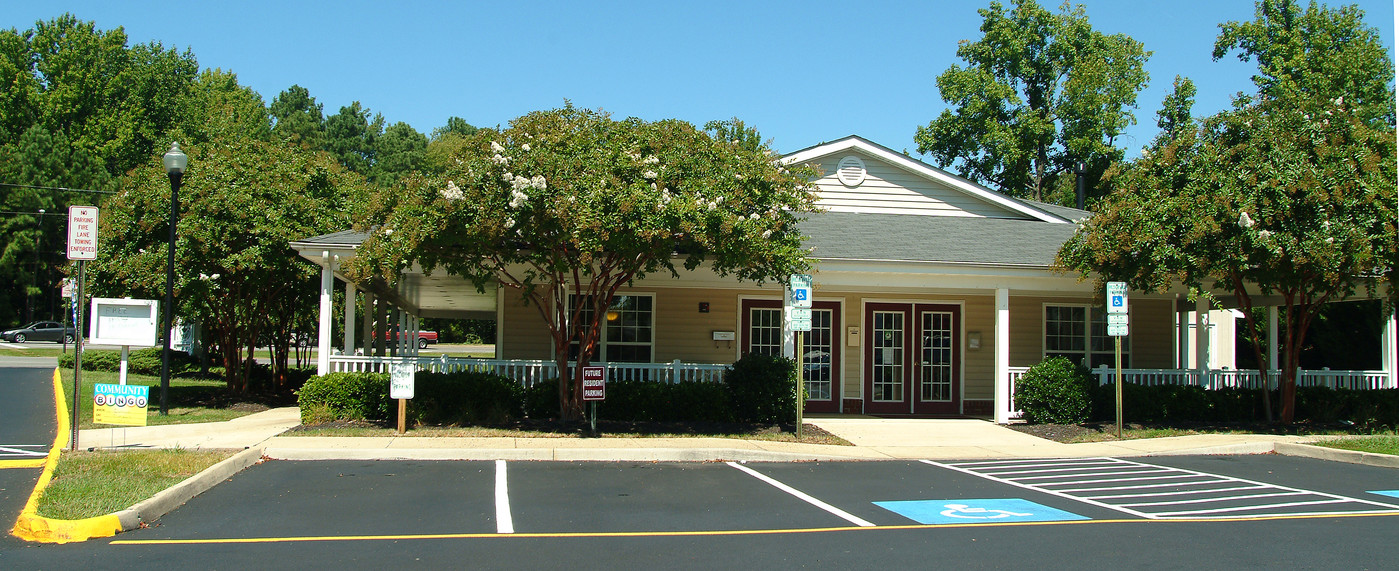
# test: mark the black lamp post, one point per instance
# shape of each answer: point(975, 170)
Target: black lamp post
point(175, 162)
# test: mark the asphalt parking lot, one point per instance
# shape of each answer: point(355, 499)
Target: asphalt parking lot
point(842, 514)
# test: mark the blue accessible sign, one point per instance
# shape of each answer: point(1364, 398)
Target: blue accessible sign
point(996, 510)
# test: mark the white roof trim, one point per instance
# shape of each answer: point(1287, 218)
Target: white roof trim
point(922, 169)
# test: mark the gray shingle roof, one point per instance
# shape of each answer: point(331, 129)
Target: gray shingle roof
point(902, 237)
point(344, 238)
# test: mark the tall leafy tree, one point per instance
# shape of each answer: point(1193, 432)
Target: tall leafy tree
point(572, 202)
point(401, 150)
point(1039, 92)
point(298, 118)
point(1288, 194)
point(353, 137)
point(242, 202)
point(78, 106)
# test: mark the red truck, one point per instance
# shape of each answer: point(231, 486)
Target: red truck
point(425, 338)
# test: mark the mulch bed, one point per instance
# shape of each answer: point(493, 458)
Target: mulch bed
point(1071, 432)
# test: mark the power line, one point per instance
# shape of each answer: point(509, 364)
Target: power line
point(63, 188)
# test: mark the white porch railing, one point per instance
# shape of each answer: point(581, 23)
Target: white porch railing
point(1247, 378)
point(531, 371)
point(1014, 411)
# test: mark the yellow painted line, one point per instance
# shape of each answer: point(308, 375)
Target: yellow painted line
point(30, 463)
point(33, 527)
point(710, 533)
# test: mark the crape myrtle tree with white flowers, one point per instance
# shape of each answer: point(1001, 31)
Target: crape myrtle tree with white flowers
point(570, 202)
point(1289, 194)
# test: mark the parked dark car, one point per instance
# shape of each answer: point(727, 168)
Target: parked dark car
point(41, 331)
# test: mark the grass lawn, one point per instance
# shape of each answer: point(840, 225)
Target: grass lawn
point(191, 399)
point(52, 350)
point(90, 484)
point(1379, 444)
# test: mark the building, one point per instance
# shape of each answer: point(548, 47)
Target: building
point(931, 294)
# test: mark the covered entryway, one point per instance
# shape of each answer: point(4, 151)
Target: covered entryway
point(913, 358)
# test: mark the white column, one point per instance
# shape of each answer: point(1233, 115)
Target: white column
point(1388, 357)
point(1182, 335)
point(367, 324)
point(350, 292)
point(323, 337)
point(1202, 334)
point(1273, 364)
point(381, 328)
point(1002, 402)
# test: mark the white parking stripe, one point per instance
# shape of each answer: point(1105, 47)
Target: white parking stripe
point(803, 497)
point(1138, 476)
point(1177, 493)
point(10, 450)
point(504, 523)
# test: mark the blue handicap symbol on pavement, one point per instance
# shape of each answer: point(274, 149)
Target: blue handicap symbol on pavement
point(977, 511)
point(1390, 493)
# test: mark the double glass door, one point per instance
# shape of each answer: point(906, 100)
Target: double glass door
point(912, 358)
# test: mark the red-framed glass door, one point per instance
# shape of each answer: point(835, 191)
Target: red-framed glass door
point(761, 324)
point(912, 356)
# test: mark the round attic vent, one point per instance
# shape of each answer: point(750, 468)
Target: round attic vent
point(851, 171)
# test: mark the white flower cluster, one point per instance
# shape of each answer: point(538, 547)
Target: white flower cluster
point(452, 192)
point(498, 158)
point(518, 185)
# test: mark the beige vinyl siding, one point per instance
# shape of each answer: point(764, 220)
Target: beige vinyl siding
point(682, 332)
point(523, 332)
point(979, 365)
point(1151, 342)
point(1151, 325)
point(891, 190)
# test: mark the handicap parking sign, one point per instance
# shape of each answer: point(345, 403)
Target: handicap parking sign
point(963, 511)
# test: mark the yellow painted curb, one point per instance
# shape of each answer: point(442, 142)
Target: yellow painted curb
point(35, 463)
point(31, 526)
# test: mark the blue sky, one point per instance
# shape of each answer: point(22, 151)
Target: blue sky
point(801, 72)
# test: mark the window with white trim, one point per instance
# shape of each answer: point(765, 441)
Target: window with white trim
point(627, 329)
point(1080, 333)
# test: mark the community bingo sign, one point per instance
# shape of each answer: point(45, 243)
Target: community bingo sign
point(120, 404)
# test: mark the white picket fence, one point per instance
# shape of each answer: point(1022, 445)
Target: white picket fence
point(531, 371)
point(1247, 378)
point(1221, 378)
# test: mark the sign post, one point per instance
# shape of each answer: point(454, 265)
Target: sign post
point(799, 311)
point(401, 388)
point(594, 390)
point(1117, 328)
point(82, 246)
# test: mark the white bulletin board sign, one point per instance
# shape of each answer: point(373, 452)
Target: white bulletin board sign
point(129, 322)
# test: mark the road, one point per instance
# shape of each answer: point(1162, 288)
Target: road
point(27, 430)
point(1276, 511)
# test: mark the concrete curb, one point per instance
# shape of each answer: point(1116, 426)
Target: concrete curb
point(1223, 449)
point(1337, 455)
point(175, 496)
point(558, 454)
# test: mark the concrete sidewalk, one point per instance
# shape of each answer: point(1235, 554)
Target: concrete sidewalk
point(872, 439)
point(242, 432)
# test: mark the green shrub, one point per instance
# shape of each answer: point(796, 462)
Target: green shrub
point(1054, 391)
point(467, 397)
point(345, 396)
point(145, 361)
point(654, 401)
point(541, 400)
point(762, 389)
